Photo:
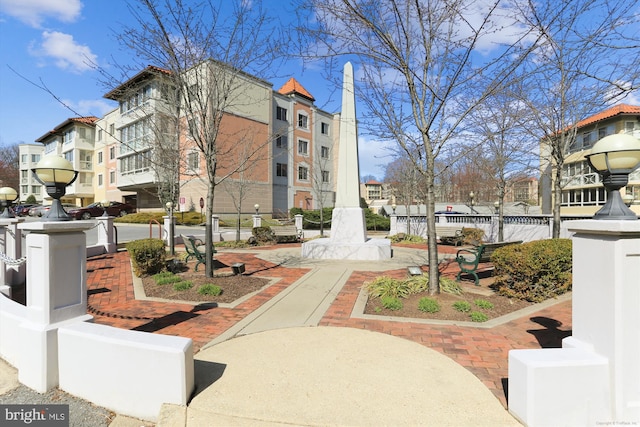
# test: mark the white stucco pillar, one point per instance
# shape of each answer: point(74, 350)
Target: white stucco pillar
point(257, 221)
point(56, 295)
point(595, 378)
point(106, 234)
point(11, 247)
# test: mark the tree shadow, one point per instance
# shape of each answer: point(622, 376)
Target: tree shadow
point(162, 322)
point(551, 336)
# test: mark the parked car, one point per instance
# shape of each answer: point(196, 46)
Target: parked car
point(96, 209)
point(42, 210)
point(23, 210)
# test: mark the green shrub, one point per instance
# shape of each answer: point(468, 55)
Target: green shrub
point(472, 236)
point(462, 306)
point(183, 286)
point(210, 289)
point(484, 304)
point(406, 238)
point(376, 222)
point(391, 303)
point(428, 305)
point(182, 218)
point(478, 316)
point(147, 255)
point(417, 284)
point(533, 271)
point(385, 286)
point(450, 286)
point(262, 235)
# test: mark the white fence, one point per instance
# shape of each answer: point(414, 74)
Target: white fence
point(516, 227)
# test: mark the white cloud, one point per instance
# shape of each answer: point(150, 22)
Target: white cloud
point(373, 157)
point(33, 12)
point(91, 107)
point(65, 52)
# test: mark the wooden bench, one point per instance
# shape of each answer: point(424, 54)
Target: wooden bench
point(196, 249)
point(450, 234)
point(468, 259)
point(286, 233)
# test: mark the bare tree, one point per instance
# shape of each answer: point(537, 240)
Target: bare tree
point(320, 179)
point(10, 166)
point(588, 59)
point(505, 149)
point(208, 49)
point(423, 70)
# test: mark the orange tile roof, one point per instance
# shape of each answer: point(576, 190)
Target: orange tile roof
point(608, 113)
point(293, 86)
point(87, 120)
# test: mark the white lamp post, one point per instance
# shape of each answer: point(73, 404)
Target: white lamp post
point(172, 248)
point(615, 157)
point(256, 207)
point(7, 196)
point(105, 204)
point(55, 173)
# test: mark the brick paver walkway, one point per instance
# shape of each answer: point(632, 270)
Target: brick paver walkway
point(484, 352)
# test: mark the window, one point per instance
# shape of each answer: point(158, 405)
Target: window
point(50, 147)
point(135, 137)
point(303, 173)
point(325, 176)
point(112, 177)
point(24, 189)
point(324, 152)
point(35, 190)
point(629, 126)
point(69, 156)
point(193, 127)
point(303, 121)
point(281, 141)
point(35, 158)
point(68, 136)
point(99, 157)
point(303, 147)
point(100, 180)
point(324, 128)
point(281, 113)
point(99, 134)
point(24, 175)
point(138, 162)
point(24, 158)
point(193, 161)
point(112, 129)
point(281, 169)
point(135, 99)
point(85, 160)
point(112, 153)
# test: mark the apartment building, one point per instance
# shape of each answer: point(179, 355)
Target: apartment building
point(582, 189)
point(73, 139)
point(273, 148)
point(30, 155)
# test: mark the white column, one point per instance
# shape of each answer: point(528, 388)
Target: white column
point(56, 295)
point(595, 378)
point(106, 234)
point(257, 221)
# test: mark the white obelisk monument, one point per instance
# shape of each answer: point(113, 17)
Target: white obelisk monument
point(348, 228)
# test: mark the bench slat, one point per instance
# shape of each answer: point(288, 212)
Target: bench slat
point(468, 259)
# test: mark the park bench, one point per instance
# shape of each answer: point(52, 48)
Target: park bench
point(286, 233)
point(196, 249)
point(469, 259)
point(450, 234)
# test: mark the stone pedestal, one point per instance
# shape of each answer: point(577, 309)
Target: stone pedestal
point(595, 378)
point(257, 221)
point(56, 295)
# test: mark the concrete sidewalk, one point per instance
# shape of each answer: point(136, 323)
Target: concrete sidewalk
point(276, 367)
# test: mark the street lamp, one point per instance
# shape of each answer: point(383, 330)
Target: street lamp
point(627, 199)
point(172, 247)
point(496, 207)
point(7, 196)
point(257, 207)
point(393, 207)
point(615, 157)
point(472, 202)
point(55, 173)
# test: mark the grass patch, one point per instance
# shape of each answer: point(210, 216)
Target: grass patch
point(428, 305)
point(462, 306)
point(183, 286)
point(210, 289)
point(391, 303)
point(484, 304)
point(478, 316)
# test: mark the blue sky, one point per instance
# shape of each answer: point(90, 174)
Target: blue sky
point(44, 41)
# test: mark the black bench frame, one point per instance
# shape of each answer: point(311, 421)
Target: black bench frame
point(482, 253)
point(191, 245)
